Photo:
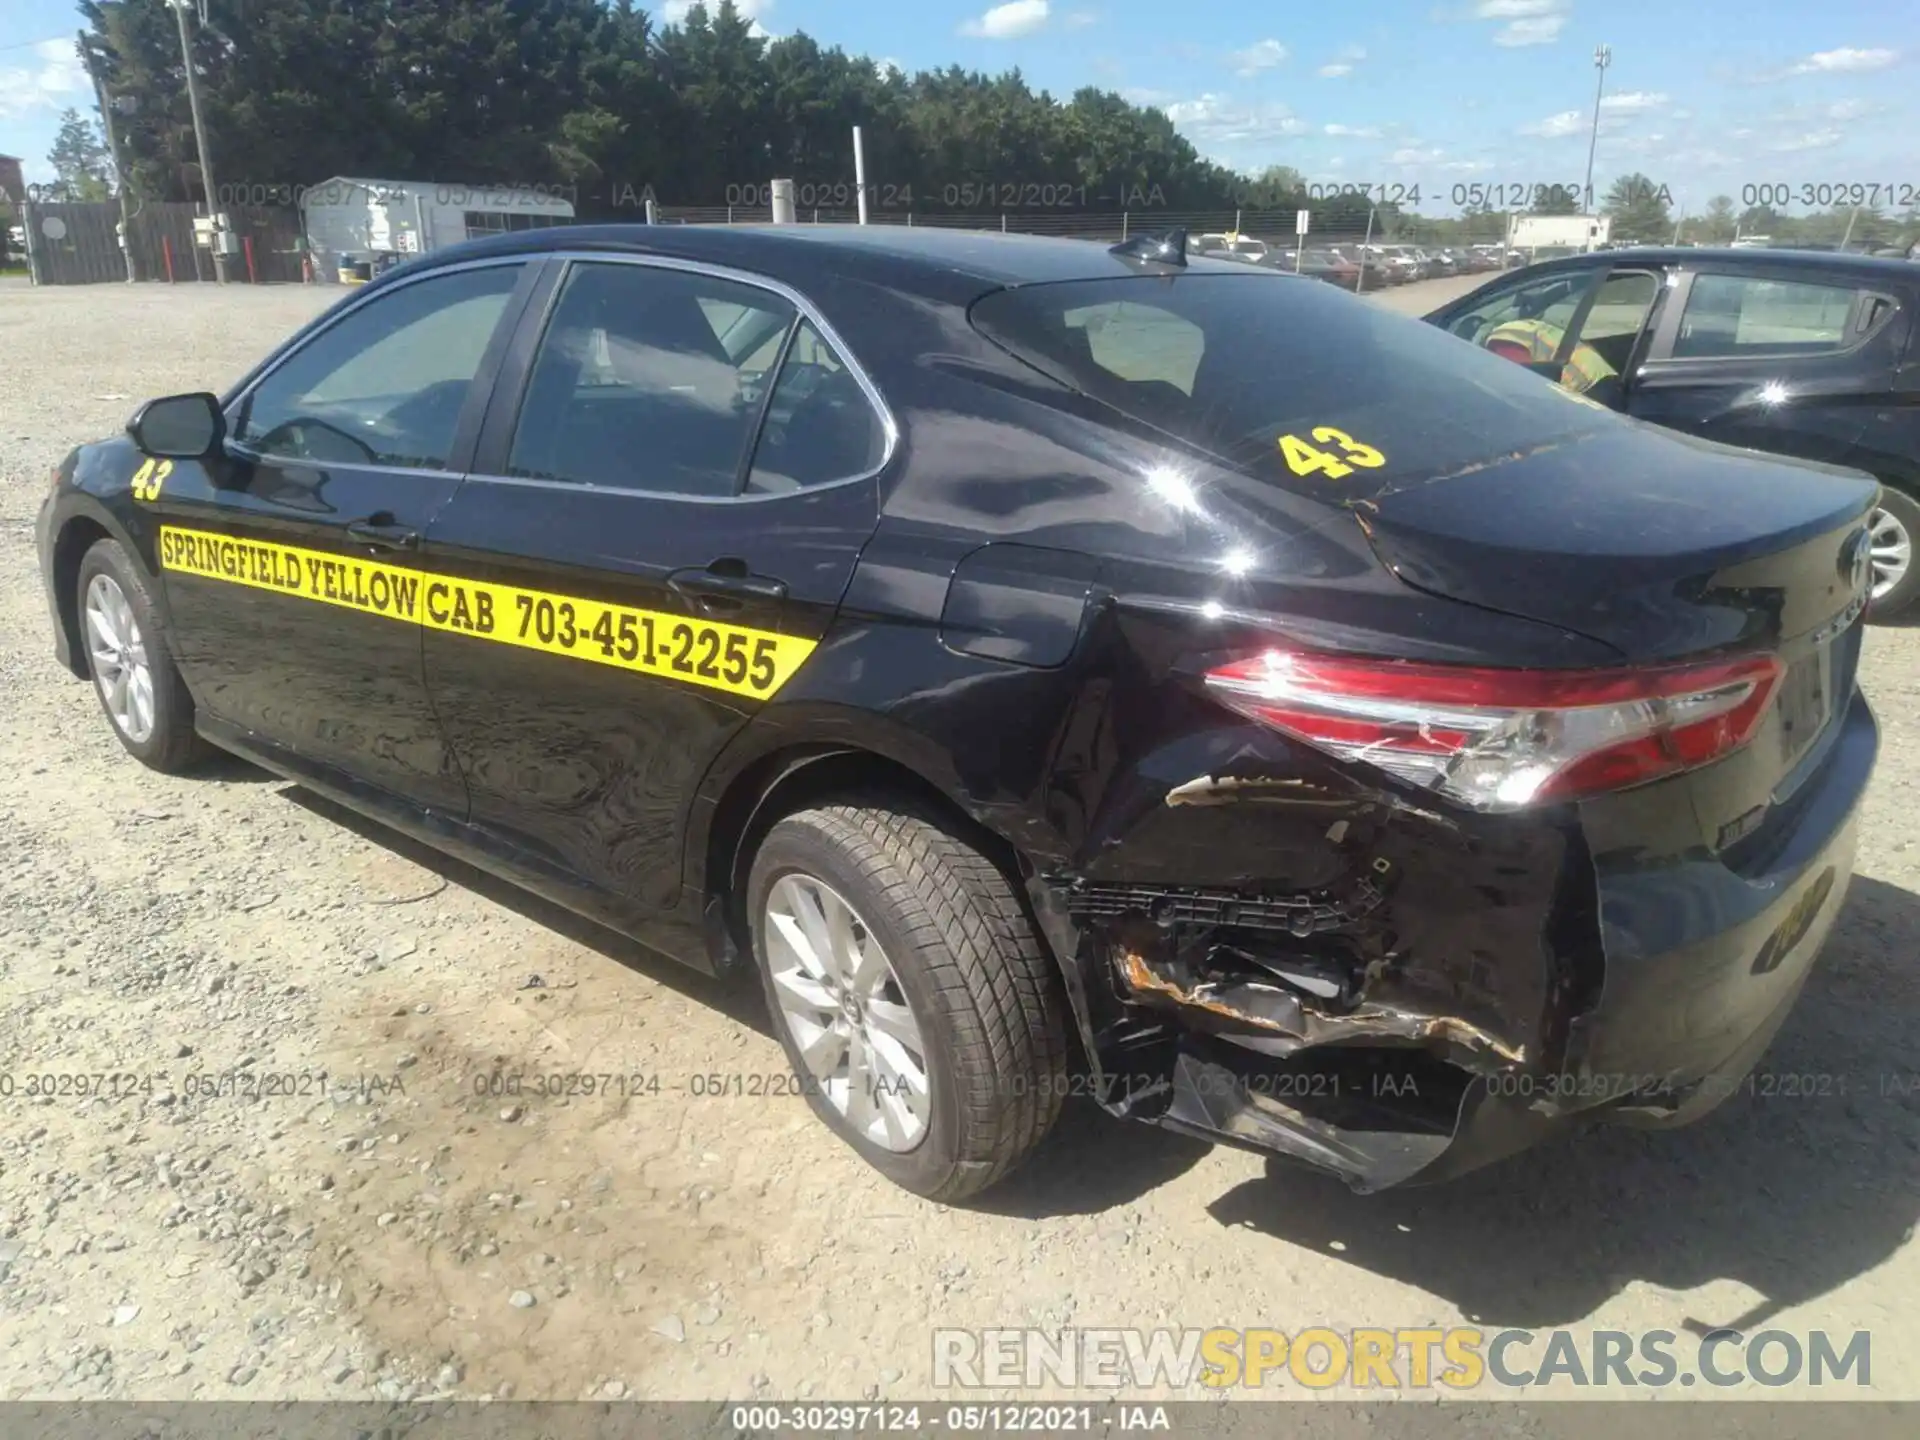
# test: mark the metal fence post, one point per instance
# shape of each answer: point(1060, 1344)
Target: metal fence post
point(1003, 222)
point(1123, 225)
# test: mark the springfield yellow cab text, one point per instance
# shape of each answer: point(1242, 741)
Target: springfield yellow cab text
point(736, 658)
point(1369, 1358)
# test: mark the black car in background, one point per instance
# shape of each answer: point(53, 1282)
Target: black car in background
point(1014, 651)
point(1813, 355)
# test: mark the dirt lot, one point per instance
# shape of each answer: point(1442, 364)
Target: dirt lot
point(389, 1229)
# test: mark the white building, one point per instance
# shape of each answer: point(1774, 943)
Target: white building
point(349, 219)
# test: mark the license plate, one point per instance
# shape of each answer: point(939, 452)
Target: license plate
point(1806, 700)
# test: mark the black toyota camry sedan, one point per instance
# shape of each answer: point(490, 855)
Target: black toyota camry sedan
point(1050, 668)
point(1810, 354)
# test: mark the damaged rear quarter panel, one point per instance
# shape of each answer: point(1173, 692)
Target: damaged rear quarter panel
point(1233, 893)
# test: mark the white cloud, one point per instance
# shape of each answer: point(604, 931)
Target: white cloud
point(1613, 111)
point(1262, 55)
point(1349, 56)
point(886, 65)
point(1845, 61)
point(753, 11)
point(1467, 167)
point(1079, 19)
point(1542, 31)
point(1632, 102)
point(53, 80)
point(1847, 109)
point(1525, 22)
point(1567, 122)
point(1213, 120)
point(1009, 21)
point(1358, 132)
point(1414, 155)
point(1811, 140)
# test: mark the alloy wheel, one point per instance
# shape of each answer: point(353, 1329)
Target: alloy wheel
point(848, 1016)
point(1891, 549)
point(119, 654)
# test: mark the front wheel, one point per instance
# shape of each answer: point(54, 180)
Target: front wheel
point(920, 1013)
point(1892, 530)
point(145, 700)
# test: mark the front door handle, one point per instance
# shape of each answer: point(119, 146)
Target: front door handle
point(725, 585)
point(380, 531)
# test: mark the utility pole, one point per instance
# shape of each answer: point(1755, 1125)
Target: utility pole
point(200, 142)
point(1602, 57)
point(119, 161)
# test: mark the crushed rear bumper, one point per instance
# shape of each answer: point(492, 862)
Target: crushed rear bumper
point(1480, 986)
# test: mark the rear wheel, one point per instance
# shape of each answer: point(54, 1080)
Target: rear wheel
point(919, 1010)
point(141, 693)
point(1893, 529)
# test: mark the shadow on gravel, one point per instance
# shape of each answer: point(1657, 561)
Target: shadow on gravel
point(1091, 1162)
point(739, 1002)
point(1794, 1186)
point(230, 769)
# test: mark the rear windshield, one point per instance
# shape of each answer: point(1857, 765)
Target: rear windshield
point(1273, 373)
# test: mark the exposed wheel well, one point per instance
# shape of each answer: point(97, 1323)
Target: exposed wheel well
point(73, 542)
point(788, 780)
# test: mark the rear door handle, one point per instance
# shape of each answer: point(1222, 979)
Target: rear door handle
point(381, 532)
point(724, 586)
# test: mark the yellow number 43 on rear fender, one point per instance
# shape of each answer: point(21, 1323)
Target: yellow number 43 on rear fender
point(1304, 458)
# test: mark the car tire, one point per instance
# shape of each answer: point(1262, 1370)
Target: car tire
point(959, 952)
point(134, 677)
point(1895, 522)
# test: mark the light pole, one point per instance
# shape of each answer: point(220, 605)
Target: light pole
point(1602, 57)
point(200, 143)
point(119, 160)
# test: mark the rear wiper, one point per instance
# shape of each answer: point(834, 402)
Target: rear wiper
point(1167, 249)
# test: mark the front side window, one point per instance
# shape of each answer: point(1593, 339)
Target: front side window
point(1729, 315)
point(385, 385)
point(1551, 301)
point(649, 379)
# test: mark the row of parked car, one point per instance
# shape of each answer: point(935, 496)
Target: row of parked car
point(1361, 266)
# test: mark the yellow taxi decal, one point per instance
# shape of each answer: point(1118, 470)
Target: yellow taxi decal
point(148, 479)
point(1304, 458)
point(734, 658)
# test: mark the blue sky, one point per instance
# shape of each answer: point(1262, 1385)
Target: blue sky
point(1705, 96)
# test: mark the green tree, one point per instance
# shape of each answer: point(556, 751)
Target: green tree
point(79, 160)
point(1717, 226)
point(1555, 200)
point(1639, 209)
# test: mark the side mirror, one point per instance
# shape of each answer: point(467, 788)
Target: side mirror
point(179, 427)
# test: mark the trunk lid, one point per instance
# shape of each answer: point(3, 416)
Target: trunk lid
point(1664, 548)
point(1657, 544)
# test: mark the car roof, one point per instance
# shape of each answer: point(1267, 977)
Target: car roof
point(1828, 261)
point(936, 262)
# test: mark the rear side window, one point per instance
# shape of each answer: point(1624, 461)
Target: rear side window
point(1273, 373)
point(820, 426)
point(1749, 315)
point(646, 379)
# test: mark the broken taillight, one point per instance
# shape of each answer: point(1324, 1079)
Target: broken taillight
point(1503, 739)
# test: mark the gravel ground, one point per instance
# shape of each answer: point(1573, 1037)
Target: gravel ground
point(389, 1230)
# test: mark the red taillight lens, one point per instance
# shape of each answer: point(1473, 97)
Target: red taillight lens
point(1504, 739)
